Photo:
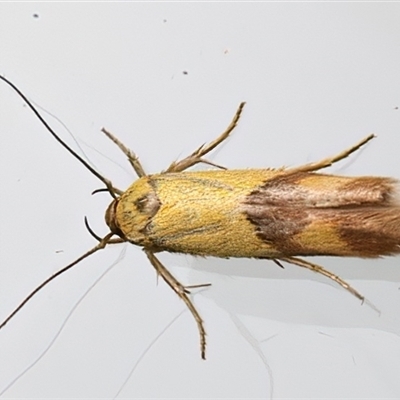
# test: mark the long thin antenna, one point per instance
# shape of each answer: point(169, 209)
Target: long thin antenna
point(108, 183)
point(103, 242)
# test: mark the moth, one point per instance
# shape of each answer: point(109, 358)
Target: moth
point(275, 214)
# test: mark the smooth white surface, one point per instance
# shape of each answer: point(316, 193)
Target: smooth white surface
point(316, 78)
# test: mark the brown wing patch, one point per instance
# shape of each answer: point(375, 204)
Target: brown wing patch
point(370, 232)
point(277, 226)
point(315, 214)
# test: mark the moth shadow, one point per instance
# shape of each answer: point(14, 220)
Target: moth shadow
point(259, 288)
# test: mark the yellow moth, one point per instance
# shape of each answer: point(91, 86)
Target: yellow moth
point(276, 214)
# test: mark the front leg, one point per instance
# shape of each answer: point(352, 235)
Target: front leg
point(183, 293)
point(130, 154)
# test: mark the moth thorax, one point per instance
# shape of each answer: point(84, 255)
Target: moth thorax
point(111, 220)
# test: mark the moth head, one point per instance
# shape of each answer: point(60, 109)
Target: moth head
point(111, 219)
point(130, 215)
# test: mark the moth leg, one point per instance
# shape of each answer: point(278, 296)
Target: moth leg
point(182, 292)
point(132, 157)
point(199, 285)
point(196, 156)
point(317, 268)
point(212, 164)
point(278, 263)
point(327, 162)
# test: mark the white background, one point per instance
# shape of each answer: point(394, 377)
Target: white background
point(317, 77)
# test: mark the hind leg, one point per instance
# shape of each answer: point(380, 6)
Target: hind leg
point(320, 270)
point(327, 162)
